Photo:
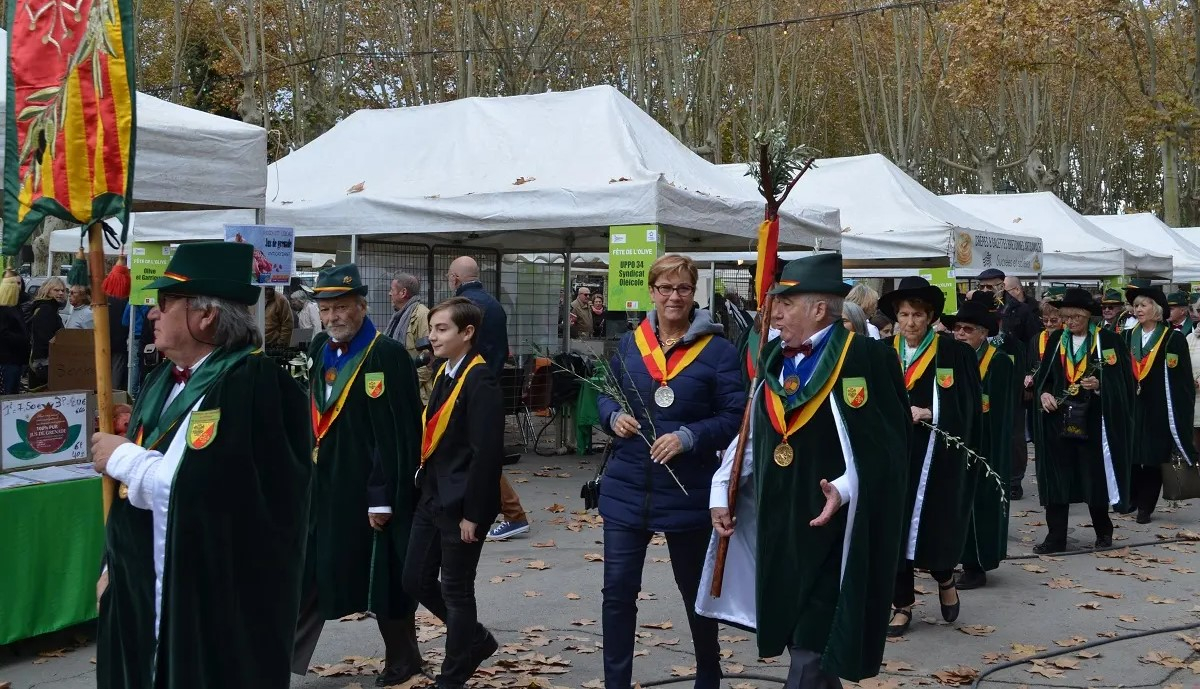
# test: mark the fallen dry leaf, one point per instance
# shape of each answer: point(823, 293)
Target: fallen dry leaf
point(896, 666)
point(665, 624)
point(584, 622)
point(1065, 663)
point(1061, 583)
point(556, 508)
point(573, 596)
point(593, 684)
point(1036, 569)
point(593, 557)
point(497, 580)
point(548, 544)
point(682, 670)
point(1127, 618)
point(734, 668)
point(956, 676)
point(1160, 601)
point(538, 565)
point(1088, 654)
point(1104, 594)
point(356, 188)
point(732, 639)
point(1071, 642)
point(523, 180)
point(657, 641)
point(353, 617)
point(532, 594)
point(645, 595)
point(1025, 650)
point(1044, 671)
point(976, 629)
point(1090, 605)
point(880, 683)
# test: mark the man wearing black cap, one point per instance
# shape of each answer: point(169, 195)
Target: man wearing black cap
point(987, 535)
point(204, 550)
point(1082, 425)
point(823, 478)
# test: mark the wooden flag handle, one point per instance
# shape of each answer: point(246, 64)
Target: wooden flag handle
point(100, 318)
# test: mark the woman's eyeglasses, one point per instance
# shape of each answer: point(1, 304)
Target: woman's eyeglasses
point(684, 291)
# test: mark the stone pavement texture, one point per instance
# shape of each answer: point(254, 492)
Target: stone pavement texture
point(541, 595)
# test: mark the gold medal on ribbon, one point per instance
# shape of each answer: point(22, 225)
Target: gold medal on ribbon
point(330, 376)
point(784, 454)
point(1073, 390)
point(791, 384)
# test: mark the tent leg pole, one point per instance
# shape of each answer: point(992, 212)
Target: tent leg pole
point(354, 248)
point(568, 297)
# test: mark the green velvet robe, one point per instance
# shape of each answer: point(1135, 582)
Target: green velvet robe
point(234, 548)
point(800, 599)
point(1063, 483)
point(987, 535)
point(949, 489)
point(356, 568)
point(1159, 428)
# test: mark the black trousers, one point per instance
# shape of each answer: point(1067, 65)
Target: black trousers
point(1020, 449)
point(624, 557)
point(1145, 485)
point(804, 672)
point(904, 595)
point(435, 547)
point(1056, 521)
point(399, 636)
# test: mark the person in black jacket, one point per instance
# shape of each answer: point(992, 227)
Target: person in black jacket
point(14, 343)
point(43, 325)
point(461, 458)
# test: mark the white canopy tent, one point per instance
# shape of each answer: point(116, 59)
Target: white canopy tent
point(525, 173)
point(890, 221)
point(188, 159)
point(1146, 230)
point(1074, 246)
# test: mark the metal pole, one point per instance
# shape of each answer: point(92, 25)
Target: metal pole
point(354, 248)
point(712, 284)
point(568, 297)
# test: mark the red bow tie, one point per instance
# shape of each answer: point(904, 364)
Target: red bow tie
point(339, 347)
point(805, 349)
point(181, 375)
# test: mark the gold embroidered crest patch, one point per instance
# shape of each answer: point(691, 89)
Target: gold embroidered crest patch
point(202, 428)
point(854, 392)
point(1172, 360)
point(945, 377)
point(374, 384)
point(1110, 357)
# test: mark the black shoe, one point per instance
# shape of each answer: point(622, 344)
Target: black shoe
point(1103, 542)
point(1047, 546)
point(1143, 517)
point(898, 629)
point(971, 579)
point(1130, 509)
point(483, 649)
point(440, 683)
point(1016, 492)
point(949, 612)
point(391, 676)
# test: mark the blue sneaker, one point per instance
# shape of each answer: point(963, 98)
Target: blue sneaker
point(506, 530)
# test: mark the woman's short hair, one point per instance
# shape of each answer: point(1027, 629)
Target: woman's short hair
point(44, 291)
point(864, 296)
point(1048, 308)
point(854, 313)
point(463, 312)
point(673, 263)
point(1156, 310)
point(918, 304)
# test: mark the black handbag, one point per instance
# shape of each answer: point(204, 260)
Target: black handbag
point(1181, 481)
point(590, 492)
point(1074, 418)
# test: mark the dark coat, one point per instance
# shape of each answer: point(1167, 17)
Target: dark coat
point(709, 399)
point(44, 324)
point(14, 338)
point(492, 337)
point(1019, 319)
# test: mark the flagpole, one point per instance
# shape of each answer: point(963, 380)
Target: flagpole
point(100, 334)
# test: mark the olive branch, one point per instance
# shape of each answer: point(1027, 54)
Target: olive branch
point(611, 388)
point(973, 457)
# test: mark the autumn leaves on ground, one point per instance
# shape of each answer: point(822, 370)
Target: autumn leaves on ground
point(542, 595)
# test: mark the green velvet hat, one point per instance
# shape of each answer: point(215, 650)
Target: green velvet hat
point(816, 274)
point(210, 269)
point(1177, 299)
point(339, 281)
point(978, 310)
point(1112, 297)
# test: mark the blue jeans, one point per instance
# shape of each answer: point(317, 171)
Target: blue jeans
point(624, 556)
point(10, 376)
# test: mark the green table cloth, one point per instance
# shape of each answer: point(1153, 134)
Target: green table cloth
point(51, 540)
point(587, 414)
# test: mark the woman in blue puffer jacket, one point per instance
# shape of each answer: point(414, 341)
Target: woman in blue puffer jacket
point(682, 403)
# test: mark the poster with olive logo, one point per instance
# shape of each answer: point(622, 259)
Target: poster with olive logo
point(44, 429)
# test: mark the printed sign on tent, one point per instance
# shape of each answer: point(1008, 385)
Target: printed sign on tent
point(147, 263)
point(632, 249)
point(274, 251)
point(42, 429)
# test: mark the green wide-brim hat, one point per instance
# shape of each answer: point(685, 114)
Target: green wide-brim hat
point(978, 310)
point(816, 274)
point(339, 281)
point(1177, 299)
point(210, 269)
point(1112, 297)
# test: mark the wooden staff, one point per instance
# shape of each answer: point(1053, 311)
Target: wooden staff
point(767, 189)
point(100, 334)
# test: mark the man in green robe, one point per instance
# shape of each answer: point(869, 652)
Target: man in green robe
point(1112, 311)
point(365, 421)
point(1081, 430)
point(807, 574)
point(205, 539)
point(987, 531)
point(1177, 316)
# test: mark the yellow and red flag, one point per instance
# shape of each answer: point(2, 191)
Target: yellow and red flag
point(70, 120)
point(768, 248)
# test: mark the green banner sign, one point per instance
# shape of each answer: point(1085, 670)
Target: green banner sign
point(943, 279)
point(632, 249)
point(147, 262)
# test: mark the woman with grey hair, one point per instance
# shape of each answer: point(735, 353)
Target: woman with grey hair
point(854, 318)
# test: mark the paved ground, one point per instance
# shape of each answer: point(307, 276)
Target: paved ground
point(541, 594)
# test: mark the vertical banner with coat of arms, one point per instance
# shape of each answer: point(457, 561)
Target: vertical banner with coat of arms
point(70, 122)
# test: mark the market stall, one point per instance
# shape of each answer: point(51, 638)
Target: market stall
point(1147, 231)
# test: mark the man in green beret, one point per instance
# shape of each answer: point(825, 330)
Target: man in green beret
point(366, 432)
point(1177, 316)
point(1112, 311)
point(812, 559)
point(205, 540)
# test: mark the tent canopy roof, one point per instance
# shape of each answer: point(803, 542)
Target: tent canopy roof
point(518, 173)
point(1074, 246)
point(1147, 231)
point(187, 159)
point(886, 215)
